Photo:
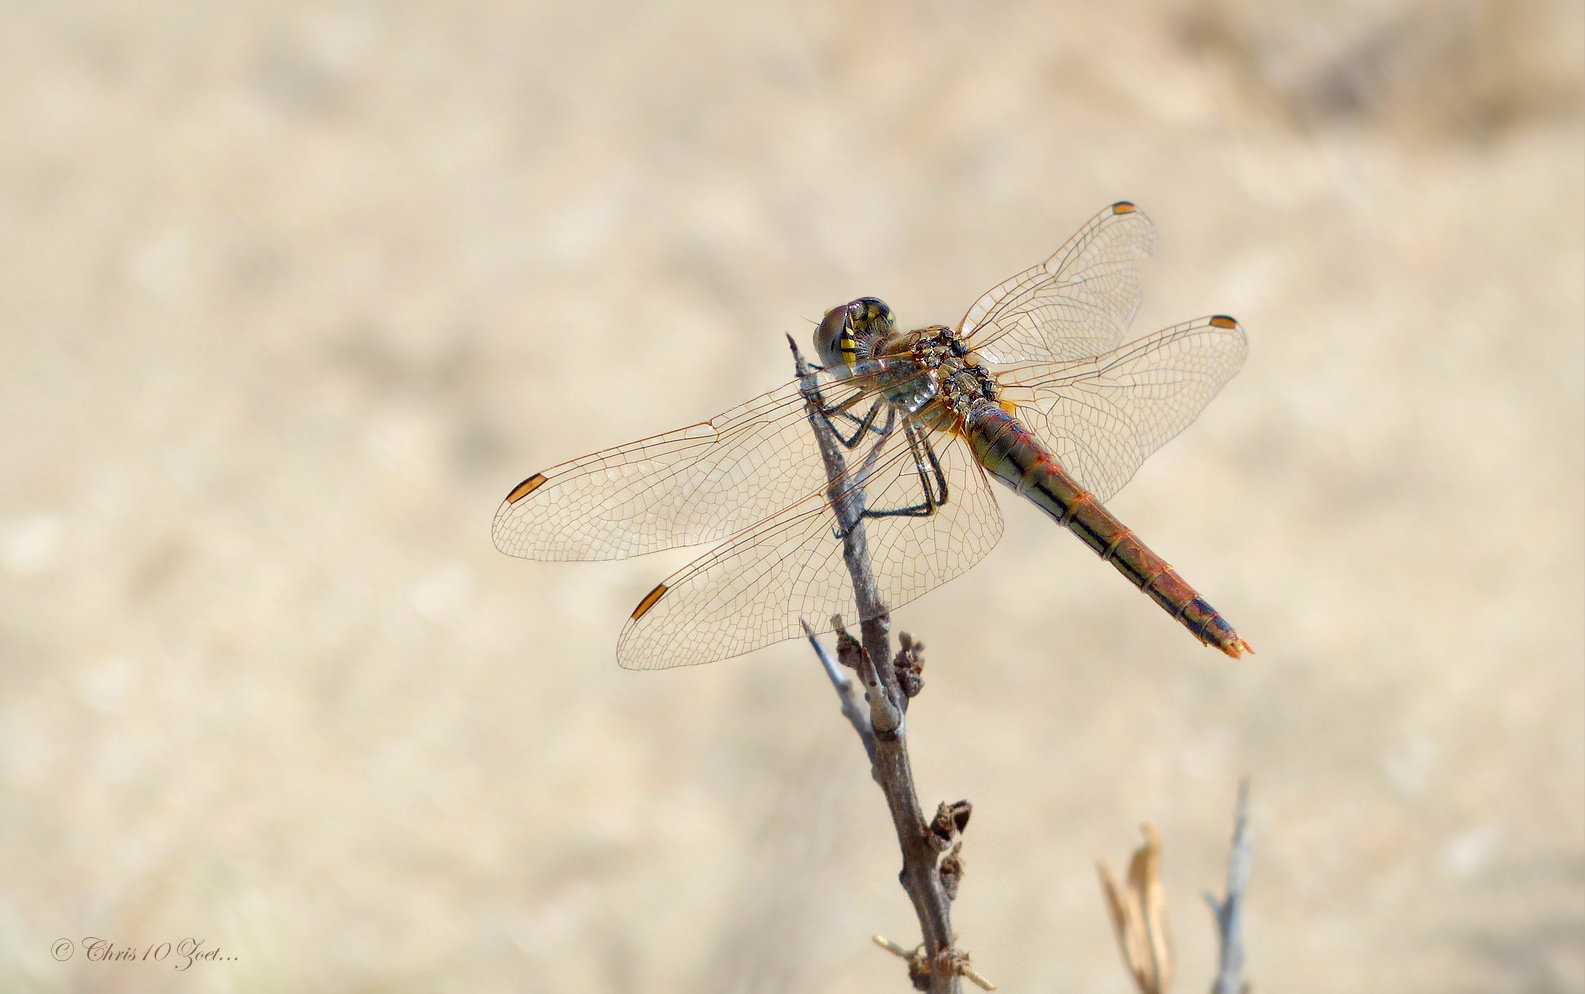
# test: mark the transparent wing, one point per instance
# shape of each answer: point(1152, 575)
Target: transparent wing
point(1076, 304)
point(753, 590)
point(693, 485)
point(1103, 416)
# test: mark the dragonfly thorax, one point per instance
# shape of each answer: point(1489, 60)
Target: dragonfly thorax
point(929, 374)
point(960, 376)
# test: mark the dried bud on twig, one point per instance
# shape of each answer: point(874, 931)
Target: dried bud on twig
point(951, 819)
point(946, 829)
point(850, 652)
point(952, 871)
point(910, 665)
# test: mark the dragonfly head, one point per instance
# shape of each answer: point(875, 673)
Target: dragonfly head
point(849, 333)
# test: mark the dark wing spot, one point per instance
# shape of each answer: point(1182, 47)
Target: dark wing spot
point(648, 601)
point(525, 488)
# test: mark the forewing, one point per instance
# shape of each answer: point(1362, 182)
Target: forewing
point(1103, 416)
point(754, 590)
point(1076, 304)
point(697, 484)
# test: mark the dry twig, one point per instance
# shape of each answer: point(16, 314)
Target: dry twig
point(843, 685)
point(1139, 912)
point(1229, 912)
point(939, 964)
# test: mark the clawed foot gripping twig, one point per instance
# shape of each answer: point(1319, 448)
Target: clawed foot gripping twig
point(932, 862)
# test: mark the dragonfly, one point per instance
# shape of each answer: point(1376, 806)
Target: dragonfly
point(1031, 388)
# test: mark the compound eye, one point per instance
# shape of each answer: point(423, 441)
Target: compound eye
point(830, 333)
point(875, 312)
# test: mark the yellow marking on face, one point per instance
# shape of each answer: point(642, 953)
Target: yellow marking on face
point(1223, 321)
point(648, 601)
point(525, 488)
point(1123, 207)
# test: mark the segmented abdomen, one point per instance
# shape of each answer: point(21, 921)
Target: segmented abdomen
point(1012, 454)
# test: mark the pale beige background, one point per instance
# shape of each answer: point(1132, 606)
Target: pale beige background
point(291, 294)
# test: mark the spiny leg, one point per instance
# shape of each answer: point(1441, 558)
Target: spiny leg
point(865, 424)
point(932, 482)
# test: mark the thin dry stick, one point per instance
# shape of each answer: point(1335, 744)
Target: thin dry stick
point(921, 847)
point(844, 688)
point(1229, 913)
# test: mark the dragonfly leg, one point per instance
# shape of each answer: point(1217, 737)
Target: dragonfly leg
point(865, 424)
point(932, 483)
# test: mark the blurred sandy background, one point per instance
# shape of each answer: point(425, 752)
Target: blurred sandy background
point(291, 294)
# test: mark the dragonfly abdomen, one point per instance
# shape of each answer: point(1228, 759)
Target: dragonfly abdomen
point(1015, 456)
